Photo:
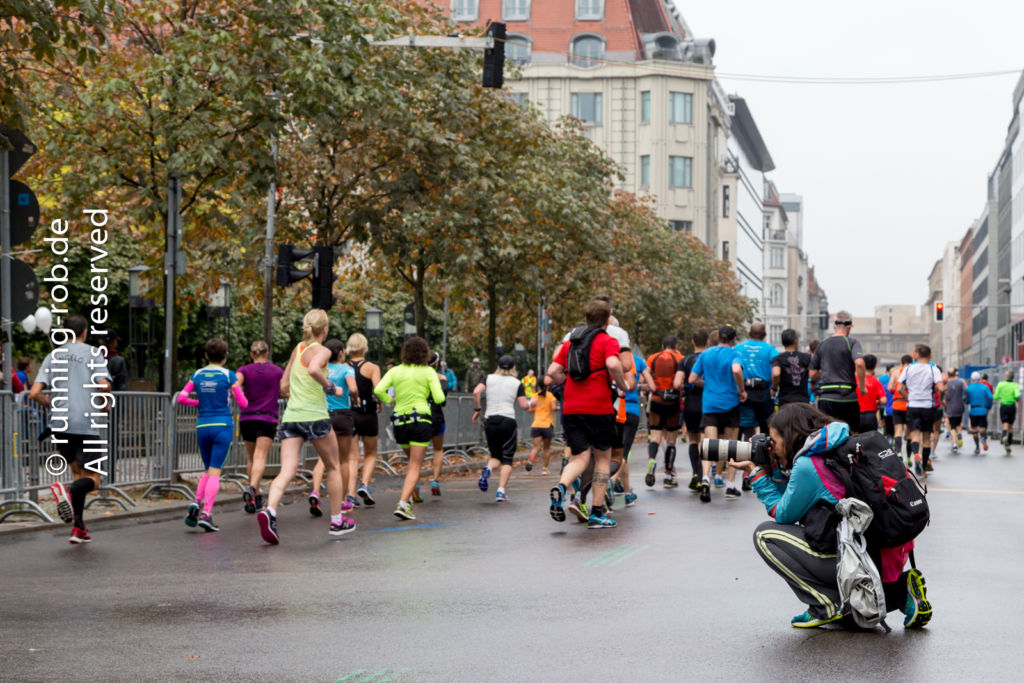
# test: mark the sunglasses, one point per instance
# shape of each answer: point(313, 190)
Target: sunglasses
point(847, 323)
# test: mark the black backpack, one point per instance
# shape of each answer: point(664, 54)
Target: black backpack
point(580, 341)
point(873, 472)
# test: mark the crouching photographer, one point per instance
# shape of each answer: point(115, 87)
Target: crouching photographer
point(790, 476)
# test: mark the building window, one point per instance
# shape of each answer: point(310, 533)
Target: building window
point(681, 226)
point(645, 170)
point(586, 51)
point(590, 10)
point(586, 106)
point(726, 190)
point(680, 171)
point(465, 10)
point(777, 257)
point(645, 106)
point(515, 10)
point(775, 335)
point(767, 222)
point(517, 48)
point(725, 250)
point(519, 98)
point(680, 107)
point(777, 295)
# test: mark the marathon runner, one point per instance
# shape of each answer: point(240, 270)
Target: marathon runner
point(899, 408)
point(257, 423)
point(872, 399)
point(920, 380)
point(663, 412)
point(1007, 395)
point(790, 372)
point(956, 398)
point(627, 421)
point(979, 400)
point(543, 406)
point(890, 427)
point(692, 403)
point(504, 391)
point(339, 408)
point(437, 425)
point(838, 368)
point(364, 417)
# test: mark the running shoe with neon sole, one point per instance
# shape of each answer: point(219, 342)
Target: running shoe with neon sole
point(364, 492)
point(248, 497)
point(918, 611)
point(984, 443)
point(485, 474)
point(630, 499)
point(578, 508)
point(501, 497)
point(435, 488)
point(918, 470)
point(268, 527)
point(556, 510)
point(695, 483)
point(652, 465)
point(602, 522)
point(805, 620)
point(719, 483)
point(192, 516)
point(347, 525)
point(79, 535)
point(206, 523)
point(545, 471)
point(404, 511)
point(416, 497)
point(959, 441)
point(63, 500)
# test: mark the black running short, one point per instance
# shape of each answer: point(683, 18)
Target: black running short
point(413, 432)
point(625, 432)
point(868, 422)
point(588, 431)
point(74, 449)
point(542, 432)
point(366, 424)
point(899, 417)
point(1007, 414)
point(342, 423)
point(920, 419)
point(843, 411)
point(730, 419)
point(663, 416)
point(256, 429)
point(979, 421)
point(692, 420)
point(502, 438)
point(307, 431)
point(955, 421)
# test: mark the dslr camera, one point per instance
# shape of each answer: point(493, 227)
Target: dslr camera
point(757, 450)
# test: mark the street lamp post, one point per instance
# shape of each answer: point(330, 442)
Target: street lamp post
point(220, 307)
point(137, 300)
point(375, 329)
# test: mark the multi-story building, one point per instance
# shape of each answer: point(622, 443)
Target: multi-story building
point(944, 288)
point(818, 323)
point(1016, 220)
point(964, 314)
point(891, 333)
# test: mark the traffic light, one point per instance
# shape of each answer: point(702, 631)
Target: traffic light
point(939, 309)
point(494, 57)
point(823, 322)
point(287, 257)
point(22, 221)
point(323, 278)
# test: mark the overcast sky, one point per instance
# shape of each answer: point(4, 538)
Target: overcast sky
point(889, 173)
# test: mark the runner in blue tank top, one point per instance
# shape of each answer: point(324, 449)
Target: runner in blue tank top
point(214, 427)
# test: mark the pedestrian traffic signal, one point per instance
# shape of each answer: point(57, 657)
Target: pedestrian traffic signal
point(323, 278)
point(287, 257)
point(494, 57)
point(939, 309)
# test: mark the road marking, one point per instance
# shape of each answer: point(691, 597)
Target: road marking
point(1004, 493)
point(373, 677)
point(615, 556)
point(410, 528)
point(350, 676)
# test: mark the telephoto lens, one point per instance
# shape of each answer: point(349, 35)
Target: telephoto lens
point(723, 449)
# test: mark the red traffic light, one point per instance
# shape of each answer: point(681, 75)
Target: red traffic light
point(938, 310)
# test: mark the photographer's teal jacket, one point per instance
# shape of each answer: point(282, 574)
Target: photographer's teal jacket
point(788, 499)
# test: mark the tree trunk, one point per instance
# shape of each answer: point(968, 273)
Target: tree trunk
point(419, 291)
point(492, 325)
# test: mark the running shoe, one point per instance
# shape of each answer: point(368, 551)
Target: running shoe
point(949, 435)
point(79, 535)
point(670, 482)
point(347, 505)
point(206, 523)
point(404, 511)
point(805, 620)
point(718, 482)
point(60, 495)
point(268, 527)
point(364, 492)
point(630, 499)
point(602, 522)
point(416, 497)
point(928, 467)
point(501, 497)
point(192, 516)
point(695, 483)
point(578, 508)
point(260, 504)
point(545, 471)
point(618, 488)
point(485, 474)
point(732, 493)
point(248, 497)
point(705, 492)
point(918, 610)
point(977, 451)
point(746, 484)
point(565, 461)
point(352, 501)
point(959, 441)
point(435, 488)
point(314, 506)
point(984, 443)
point(529, 464)
point(555, 509)
point(956, 449)
point(345, 527)
point(652, 464)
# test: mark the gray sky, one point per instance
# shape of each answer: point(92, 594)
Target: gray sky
point(889, 173)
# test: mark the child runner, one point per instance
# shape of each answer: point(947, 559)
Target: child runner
point(215, 427)
point(437, 426)
point(364, 417)
point(261, 382)
point(306, 419)
point(542, 405)
point(343, 376)
point(503, 392)
point(413, 381)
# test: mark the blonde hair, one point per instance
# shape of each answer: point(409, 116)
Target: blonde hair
point(511, 372)
point(356, 345)
point(259, 348)
point(313, 324)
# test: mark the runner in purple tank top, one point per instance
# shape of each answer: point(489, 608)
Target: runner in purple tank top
point(261, 381)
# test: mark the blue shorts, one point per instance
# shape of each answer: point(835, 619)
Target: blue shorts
point(214, 444)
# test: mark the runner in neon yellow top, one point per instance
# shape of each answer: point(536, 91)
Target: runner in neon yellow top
point(1006, 395)
point(413, 382)
point(306, 401)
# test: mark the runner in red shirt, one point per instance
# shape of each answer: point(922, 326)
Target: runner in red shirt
point(588, 416)
point(871, 400)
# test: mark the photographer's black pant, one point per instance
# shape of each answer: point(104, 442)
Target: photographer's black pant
point(811, 575)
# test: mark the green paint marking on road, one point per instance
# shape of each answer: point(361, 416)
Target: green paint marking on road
point(373, 676)
point(596, 561)
point(395, 676)
point(623, 558)
point(350, 676)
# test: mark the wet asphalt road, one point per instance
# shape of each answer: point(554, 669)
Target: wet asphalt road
point(473, 591)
